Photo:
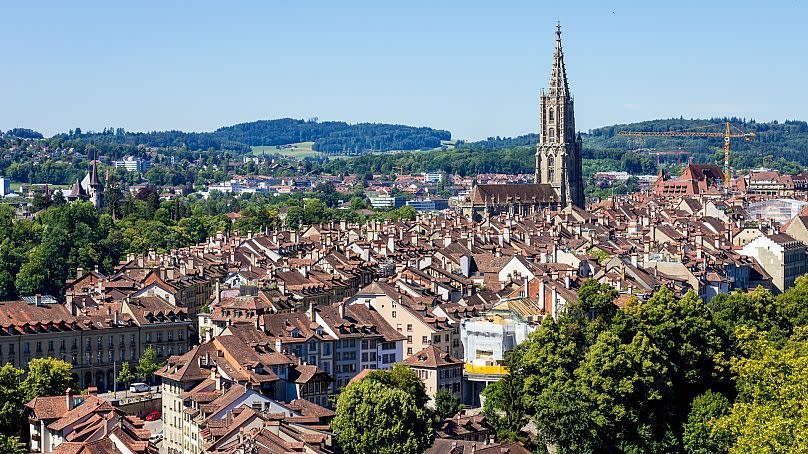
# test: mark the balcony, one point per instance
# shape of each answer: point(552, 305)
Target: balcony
point(486, 370)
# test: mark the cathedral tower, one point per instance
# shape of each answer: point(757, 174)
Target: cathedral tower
point(558, 155)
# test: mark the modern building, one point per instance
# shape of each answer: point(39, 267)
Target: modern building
point(5, 187)
point(132, 164)
point(382, 200)
point(433, 178)
point(429, 204)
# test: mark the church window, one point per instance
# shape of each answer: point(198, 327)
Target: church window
point(551, 135)
point(551, 168)
point(551, 115)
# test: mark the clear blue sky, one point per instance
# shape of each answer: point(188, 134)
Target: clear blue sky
point(474, 68)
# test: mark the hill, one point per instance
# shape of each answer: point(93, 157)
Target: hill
point(330, 137)
point(779, 145)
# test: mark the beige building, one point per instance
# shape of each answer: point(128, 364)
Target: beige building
point(439, 370)
point(781, 256)
point(96, 345)
point(413, 320)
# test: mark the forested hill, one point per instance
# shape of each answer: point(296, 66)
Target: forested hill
point(779, 145)
point(783, 146)
point(330, 137)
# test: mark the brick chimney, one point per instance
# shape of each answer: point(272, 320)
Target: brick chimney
point(69, 399)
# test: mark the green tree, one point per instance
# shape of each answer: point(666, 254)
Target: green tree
point(699, 436)
point(446, 404)
point(147, 364)
point(11, 444)
point(403, 378)
point(125, 375)
point(504, 407)
point(770, 413)
point(758, 309)
point(791, 303)
point(374, 418)
point(11, 400)
point(47, 377)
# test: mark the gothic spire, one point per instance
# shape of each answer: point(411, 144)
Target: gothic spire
point(558, 76)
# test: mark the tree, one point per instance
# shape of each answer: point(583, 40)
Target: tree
point(791, 303)
point(699, 436)
point(380, 419)
point(446, 404)
point(770, 413)
point(403, 378)
point(125, 375)
point(147, 364)
point(758, 309)
point(47, 377)
point(504, 407)
point(11, 400)
point(11, 444)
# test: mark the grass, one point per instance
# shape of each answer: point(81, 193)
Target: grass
point(302, 150)
point(298, 150)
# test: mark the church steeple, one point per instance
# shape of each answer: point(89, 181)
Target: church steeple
point(558, 155)
point(558, 76)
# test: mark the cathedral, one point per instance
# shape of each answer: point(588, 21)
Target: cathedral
point(558, 179)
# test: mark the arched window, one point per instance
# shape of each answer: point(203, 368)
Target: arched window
point(551, 115)
point(550, 168)
point(550, 135)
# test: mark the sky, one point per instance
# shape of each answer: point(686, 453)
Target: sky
point(474, 68)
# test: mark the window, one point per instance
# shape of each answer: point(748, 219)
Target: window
point(110, 357)
point(160, 337)
point(398, 327)
point(409, 327)
point(50, 346)
point(437, 339)
point(394, 314)
point(327, 349)
point(148, 338)
point(170, 336)
point(551, 168)
point(550, 135)
point(409, 339)
point(551, 115)
point(38, 347)
point(409, 350)
point(99, 357)
point(180, 334)
point(424, 339)
point(100, 342)
point(132, 340)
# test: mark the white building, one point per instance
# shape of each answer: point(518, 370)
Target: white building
point(432, 178)
point(132, 164)
point(5, 187)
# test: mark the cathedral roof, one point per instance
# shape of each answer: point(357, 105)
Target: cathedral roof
point(495, 194)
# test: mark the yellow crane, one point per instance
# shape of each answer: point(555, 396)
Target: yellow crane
point(730, 132)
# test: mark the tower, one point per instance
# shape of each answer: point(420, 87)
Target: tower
point(558, 154)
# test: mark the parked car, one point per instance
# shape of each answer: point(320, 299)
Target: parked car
point(156, 437)
point(139, 388)
point(153, 416)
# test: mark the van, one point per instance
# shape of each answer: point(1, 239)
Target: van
point(139, 388)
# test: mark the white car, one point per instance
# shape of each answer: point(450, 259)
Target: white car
point(139, 388)
point(156, 437)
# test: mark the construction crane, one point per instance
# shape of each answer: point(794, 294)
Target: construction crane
point(727, 135)
point(678, 152)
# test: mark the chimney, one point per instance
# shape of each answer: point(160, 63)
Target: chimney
point(69, 399)
point(341, 307)
point(541, 293)
point(38, 300)
point(115, 318)
point(79, 272)
point(312, 315)
point(567, 281)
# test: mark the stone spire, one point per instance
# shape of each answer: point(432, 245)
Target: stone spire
point(558, 76)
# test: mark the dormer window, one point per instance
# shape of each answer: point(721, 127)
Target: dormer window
point(296, 333)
